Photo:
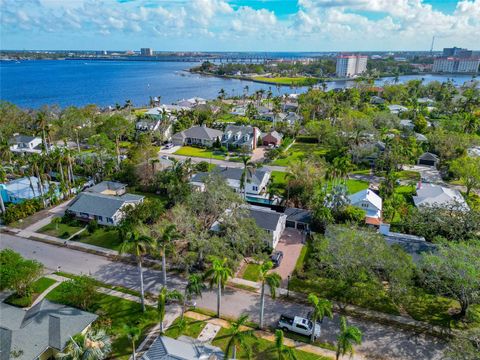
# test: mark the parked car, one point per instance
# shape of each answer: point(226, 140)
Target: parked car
point(168, 146)
point(276, 258)
point(298, 325)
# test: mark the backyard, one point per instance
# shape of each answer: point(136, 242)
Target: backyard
point(199, 152)
point(299, 151)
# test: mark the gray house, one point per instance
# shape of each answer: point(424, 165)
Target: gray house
point(40, 332)
point(240, 136)
point(197, 135)
point(269, 220)
point(183, 348)
point(428, 159)
point(104, 202)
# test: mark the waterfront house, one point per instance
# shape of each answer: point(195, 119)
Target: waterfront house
point(240, 136)
point(26, 188)
point(158, 112)
point(272, 138)
point(371, 203)
point(182, 348)
point(40, 332)
point(191, 103)
point(437, 195)
point(104, 202)
point(197, 135)
point(25, 144)
point(256, 182)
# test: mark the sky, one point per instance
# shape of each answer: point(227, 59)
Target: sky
point(239, 25)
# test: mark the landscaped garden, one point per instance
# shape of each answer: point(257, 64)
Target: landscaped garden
point(199, 152)
point(61, 230)
point(37, 287)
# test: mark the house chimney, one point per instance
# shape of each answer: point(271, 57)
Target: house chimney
point(384, 229)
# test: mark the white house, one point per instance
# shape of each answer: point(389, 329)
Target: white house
point(192, 102)
point(197, 135)
point(370, 202)
point(157, 112)
point(241, 136)
point(436, 195)
point(397, 109)
point(271, 221)
point(25, 143)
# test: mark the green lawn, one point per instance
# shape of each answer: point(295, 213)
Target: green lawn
point(62, 231)
point(299, 151)
point(193, 329)
point(103, 237)
point(198, 152)
point(38, 287)
point(114, 313)
point(252, 272)
point(408, 175)
point(295, 81)
point(261, 349)
point(353, 186)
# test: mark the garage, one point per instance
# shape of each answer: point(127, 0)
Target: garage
point(428, 159)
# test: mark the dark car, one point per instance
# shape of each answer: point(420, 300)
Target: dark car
point(276, 258)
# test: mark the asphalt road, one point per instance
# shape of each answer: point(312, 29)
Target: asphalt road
point(379, 341)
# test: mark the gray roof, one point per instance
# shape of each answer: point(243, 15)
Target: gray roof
point(101, 205)
point(200, 132)
point(106, 185)
point(233, 174)
point(265, 218)
point(183, 348)
point(429, 156)
point(413, 245)
point(299, 215)
point(45, 325)
point(21, 139)
point(431, 195)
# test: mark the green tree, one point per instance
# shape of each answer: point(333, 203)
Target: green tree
point(116, 126)
point(239, 337)
point(465, 345)
point(139, 246)
point(218, 274)
point(18, 273)
point(93, 345)
point(80, 292)
point(321, 308)
point(133, 334)
point(193, 288)
point(273, 281)
point(165, 297)
point(454, 271)
point(248, 170)
point(349, 335)
point(283, 352)
point(468, 170)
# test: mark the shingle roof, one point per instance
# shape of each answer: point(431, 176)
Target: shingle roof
point(183, 348)
point(200, 132)
point(431, 194)
point(106, 185)
point(233, 174)
point(299, 215)
point(265, 218)
point(21, 139)
point(428, 156)
point(101, 205)
point(45, 325)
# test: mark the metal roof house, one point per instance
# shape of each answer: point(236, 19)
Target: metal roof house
point(40, 332)
point(197, 135)
point(183, 348)
point(104, 203)
point(25, 143)
point(436, 195)
point(371, 203)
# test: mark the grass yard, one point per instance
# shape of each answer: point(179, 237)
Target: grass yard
point(261, 348)
point(299, 151)
point(38, 287)
point(251, 272)
point(193, 329)
point(408, 175)
point(294, 81)
point(103, 237)
point(113, 314)
point(198, 152)
point(353, 186)
point(62, 231)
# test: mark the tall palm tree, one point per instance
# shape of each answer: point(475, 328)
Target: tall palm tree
point(133, 334)
point(221, 94)
point(348, 336)
point(218, 274)
point(93, 345)
point(164, 297)
point(283, 352)
point(194, 288)
point(239, 337)
point(248, 170)
point(42, 122)
point(321, 308)
point(138, 245)
point(272, 280)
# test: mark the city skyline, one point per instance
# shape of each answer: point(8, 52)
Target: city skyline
point(240, 25)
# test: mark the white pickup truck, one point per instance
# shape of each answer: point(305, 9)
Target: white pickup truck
point(298, 325)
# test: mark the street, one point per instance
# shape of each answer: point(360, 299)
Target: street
point(380, 341)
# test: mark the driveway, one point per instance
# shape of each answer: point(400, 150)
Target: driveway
point(258, 154)
point(428, 174)
point(170, 151)
point(290, 244)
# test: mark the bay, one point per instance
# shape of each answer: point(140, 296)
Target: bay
point(31, 84)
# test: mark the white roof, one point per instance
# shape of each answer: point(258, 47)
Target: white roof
point(474, 151)
point(366, 195)
point(431, 194)
point(167, 107)
point(395, 107)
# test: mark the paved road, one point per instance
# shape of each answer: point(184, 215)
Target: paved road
point(380, 341)
point(220, 162)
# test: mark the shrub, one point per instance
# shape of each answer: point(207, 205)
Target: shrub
point(79, 292)
point(19, 211)
point(92, 226)
point(65, 235)
point(17, 273)
point(202, 166)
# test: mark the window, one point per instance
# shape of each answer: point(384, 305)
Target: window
point(255, 188)
point(110, 220)
point(300, 326)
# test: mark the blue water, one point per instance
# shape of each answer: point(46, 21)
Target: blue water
point(32, 84)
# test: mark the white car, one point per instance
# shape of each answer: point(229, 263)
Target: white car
point(298, 325)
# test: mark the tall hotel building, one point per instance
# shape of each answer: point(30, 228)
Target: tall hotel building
point(351, 65)
point(456, 65)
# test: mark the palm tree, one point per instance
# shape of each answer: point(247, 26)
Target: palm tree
point(221, 94)
point(248, 170)
point(283, 352)
point(93, 345)
point(164, 297)
point(347, 337)
point(133, 334)
point(272, 280)
point(218, 273)
point(137, 245)
point(321, 308)
point(239, 337)
point(194, 287)
point(42, 122)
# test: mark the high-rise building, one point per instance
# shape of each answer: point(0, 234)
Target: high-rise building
point(351, 65)
point(457, 52)
point(146, 51)
point(456, 65)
